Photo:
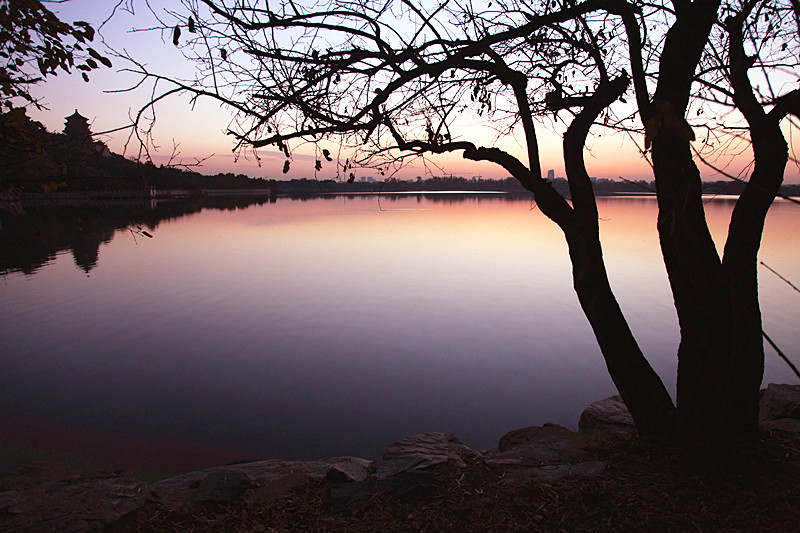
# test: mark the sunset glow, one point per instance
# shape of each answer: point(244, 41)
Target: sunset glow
point(196, 130)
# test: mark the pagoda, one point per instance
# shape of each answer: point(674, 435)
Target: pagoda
point(77, 127)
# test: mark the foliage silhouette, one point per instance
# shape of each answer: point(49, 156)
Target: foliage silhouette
point(35, 44)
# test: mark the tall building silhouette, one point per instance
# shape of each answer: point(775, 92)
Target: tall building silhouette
point(76, 127)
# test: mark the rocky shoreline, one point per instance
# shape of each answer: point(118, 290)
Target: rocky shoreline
point(54, 497)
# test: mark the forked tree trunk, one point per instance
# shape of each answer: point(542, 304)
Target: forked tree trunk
point(721, 354)
point(720, 358)
point(701, 296)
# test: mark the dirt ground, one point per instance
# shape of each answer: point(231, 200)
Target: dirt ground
point(644, 487)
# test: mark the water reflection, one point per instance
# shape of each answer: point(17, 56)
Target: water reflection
point(32, 240)
point(328, 326)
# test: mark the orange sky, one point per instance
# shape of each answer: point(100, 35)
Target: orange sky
point(198, 130)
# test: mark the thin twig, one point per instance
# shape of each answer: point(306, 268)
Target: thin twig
point(792, 285)
point(781, 354)
point(735, 178)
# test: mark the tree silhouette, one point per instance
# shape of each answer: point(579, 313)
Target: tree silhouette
point(388, 80)
point(35, 44)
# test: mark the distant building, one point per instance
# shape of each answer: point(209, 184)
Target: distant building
point(77, 127)
point(77, 130)
point(551, 174)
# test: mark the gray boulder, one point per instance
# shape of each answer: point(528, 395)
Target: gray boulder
point(607, 418)
point(422, 451)
point(256, 481)
point(779, 409)
point(548, 453)
point(550, 443)
point(780, 401)
point(555, 472)
point(54, 497)
point(786, 425)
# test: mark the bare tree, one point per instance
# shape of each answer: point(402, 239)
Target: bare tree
point(383, 80)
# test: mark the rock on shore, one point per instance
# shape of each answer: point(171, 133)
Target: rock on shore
point(53, 497)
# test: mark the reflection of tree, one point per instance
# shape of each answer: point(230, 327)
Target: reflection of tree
point(86, 241)
point(30, 241)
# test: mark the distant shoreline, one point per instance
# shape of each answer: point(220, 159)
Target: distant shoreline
point(107, 198)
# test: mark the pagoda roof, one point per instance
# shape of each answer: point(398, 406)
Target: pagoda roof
point(77, 116)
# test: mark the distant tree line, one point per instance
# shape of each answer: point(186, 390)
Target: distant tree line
point(601, 186)
point(33, 159)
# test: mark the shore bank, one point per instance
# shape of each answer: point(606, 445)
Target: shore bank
point(536, 478)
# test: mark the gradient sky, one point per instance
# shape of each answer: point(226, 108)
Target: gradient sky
point(197, 129)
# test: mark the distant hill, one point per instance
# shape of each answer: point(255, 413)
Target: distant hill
point(35, 160)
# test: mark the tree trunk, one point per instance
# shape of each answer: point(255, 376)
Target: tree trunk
point(740, 272)
point(721, 355)
point(739, 262)
point(701, 296)
point(640, 387)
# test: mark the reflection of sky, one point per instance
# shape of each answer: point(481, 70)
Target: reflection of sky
point(199, 128)
point(327, 327)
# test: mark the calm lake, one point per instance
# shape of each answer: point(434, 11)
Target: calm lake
point(330, 326)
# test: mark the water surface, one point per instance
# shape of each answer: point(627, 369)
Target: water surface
point(330, 326)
